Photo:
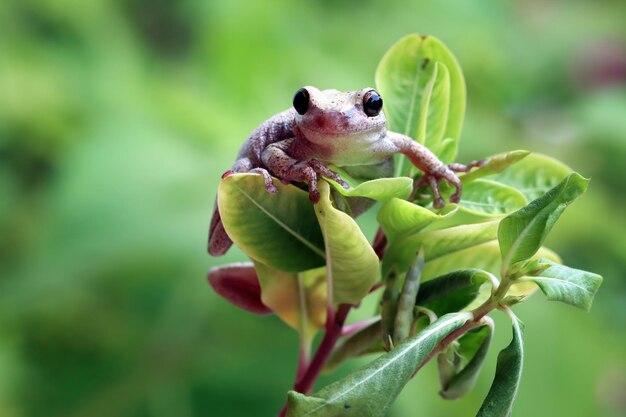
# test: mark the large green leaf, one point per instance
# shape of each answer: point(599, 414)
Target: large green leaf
point(362, 341)
point(280, 230)
point(534, 175)
point(397, 217)
point(437, 243)
point(424, 92)
point(351, 261)
point(371, 390)
point(521, 234)
point(451, 292)
point(503, 391)
point(490, 198)
point(474, 346)
point(568, 285)
point(299, 299)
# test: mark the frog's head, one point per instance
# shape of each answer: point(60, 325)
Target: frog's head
point(331, 114)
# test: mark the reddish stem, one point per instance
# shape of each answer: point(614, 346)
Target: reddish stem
point(380, 243)
point(304, 384)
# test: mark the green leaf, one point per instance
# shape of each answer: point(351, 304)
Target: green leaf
point(503, 391)
point(280, 230)
point(490, 198)
point(437, 243)
point(568, 285)
point(451, 292)
point(473, 345)
point(521, 234)
point(495, 164)
point(534, 175)
point(397, 217)
point(299, 299)
point(352, 262)
point(371, 390)
point(424, 91)
point(380, 189)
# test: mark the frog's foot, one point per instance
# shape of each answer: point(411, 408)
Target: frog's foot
point(321, 169)
point(432, 180)
point(309, 172)
point(267, 178)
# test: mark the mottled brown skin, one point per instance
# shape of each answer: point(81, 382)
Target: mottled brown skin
point(335, 128)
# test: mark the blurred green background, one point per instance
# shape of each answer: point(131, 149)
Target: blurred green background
point(118, 117)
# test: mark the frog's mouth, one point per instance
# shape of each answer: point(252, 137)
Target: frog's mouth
point(337, 124)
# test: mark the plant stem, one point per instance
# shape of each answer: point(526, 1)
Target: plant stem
point(305, 382)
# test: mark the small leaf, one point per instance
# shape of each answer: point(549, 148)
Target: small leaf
point(352, 262)
point(406, 302)
point(451, 292)
point(280, 230)
point(437, 243)
point(474, 345)
point(495, 164)
point(371, 390)
point(503, 391)
point(299, 299)
point(238, 284)
point(380, 189)
point(398, 216)
point(521, 234)
point(424, 90)
point(568, 285)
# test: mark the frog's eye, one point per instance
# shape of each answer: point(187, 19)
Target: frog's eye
point(301, 101)
point(372, 103)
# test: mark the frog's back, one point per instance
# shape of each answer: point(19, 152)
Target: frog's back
point(277, 128)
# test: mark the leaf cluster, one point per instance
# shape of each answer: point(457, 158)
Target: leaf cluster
point(443, 271)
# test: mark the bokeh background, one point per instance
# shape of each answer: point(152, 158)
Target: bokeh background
point(118, 117)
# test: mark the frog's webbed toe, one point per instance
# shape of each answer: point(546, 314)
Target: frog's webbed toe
point(267, 178)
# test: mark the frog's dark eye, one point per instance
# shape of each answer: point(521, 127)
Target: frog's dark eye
point(372, 103)
point(301, 101)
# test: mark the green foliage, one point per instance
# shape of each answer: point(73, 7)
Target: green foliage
point(371, 390)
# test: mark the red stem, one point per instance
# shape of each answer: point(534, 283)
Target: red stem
point(332, 334)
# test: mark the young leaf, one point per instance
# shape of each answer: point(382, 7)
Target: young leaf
point(299, 299)
point(521, 234)
point(411, 74)
point(503, 391)
point(568, 285)
point(406, 301)
point(437, 243)
point(238, 284)
point(371, 390)
point(280, 230)
point(350, 258)
point(474, 345)
point(495, 164)
point(398, 216)
point(451, 292)
point(381, 189)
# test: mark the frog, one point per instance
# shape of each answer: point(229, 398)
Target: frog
point(331, 128)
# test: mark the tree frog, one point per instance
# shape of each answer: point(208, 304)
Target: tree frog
point(330, 127)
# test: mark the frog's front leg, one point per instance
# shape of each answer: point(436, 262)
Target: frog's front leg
point(288, 166)
point(434, 170)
